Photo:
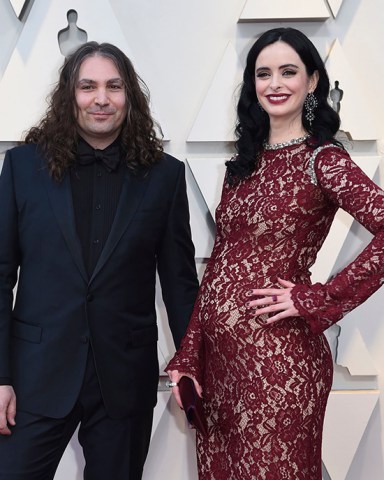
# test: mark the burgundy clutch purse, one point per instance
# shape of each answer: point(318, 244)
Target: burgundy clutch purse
point(192, 405)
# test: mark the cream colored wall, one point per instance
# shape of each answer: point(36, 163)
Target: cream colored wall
point(190, 54)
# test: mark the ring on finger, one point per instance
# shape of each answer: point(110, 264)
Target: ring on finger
point(274, 298)
point(170, 384)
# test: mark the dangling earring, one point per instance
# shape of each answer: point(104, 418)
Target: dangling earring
point(309, 105)
point(261, 108)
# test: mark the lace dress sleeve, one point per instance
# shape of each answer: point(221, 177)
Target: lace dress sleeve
point(189, 358)
point(345, 184)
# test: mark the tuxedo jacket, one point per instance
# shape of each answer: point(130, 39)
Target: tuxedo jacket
point(58, 310)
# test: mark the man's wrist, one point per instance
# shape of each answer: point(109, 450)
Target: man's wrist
point(5, 381)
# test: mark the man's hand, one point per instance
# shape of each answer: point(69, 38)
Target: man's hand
point(7, 409)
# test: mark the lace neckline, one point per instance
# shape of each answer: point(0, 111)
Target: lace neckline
point(294, 141)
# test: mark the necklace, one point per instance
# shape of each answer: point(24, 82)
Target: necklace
point(294, 141)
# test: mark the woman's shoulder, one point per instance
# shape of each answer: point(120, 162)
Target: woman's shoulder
point(325, 157)
point(327, 152)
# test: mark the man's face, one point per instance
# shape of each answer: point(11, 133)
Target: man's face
point(101, 101)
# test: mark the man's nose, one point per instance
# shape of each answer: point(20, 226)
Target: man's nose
point(101, 97)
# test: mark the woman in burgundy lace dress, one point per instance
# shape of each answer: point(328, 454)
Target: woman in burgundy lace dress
point(255, 346)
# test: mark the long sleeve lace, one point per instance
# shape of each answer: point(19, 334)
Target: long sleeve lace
point(344, 183)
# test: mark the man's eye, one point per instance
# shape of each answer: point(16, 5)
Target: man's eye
point(115, 87)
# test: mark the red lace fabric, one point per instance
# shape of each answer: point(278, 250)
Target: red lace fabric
point(266, 386)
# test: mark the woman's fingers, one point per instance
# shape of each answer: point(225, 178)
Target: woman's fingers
point(175, 377)
point(275, 301)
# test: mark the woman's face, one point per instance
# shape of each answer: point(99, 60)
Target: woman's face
point(282, 82)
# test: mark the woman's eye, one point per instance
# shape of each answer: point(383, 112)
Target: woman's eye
point(289, 73)
point(262, 75)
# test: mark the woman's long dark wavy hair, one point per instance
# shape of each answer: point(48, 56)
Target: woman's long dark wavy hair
point(252, 128)
point(57, 133)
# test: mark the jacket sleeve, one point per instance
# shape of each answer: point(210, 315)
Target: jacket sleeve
point(189, 358)
point(176, 261)
point(345, 184)
point(9, 262)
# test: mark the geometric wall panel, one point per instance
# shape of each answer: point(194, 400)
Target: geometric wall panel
point(217, 117)
point(347, 416)
point(170, 429)
point(352, 351)
point(283, 10)
point(10, 28)
point(19, 6)
point(335, 5)
point(72, 463)
point(355, 112)
point(209, 175)
point(202, 224)
point(162, 399)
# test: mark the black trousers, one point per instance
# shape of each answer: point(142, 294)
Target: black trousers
point(113, 449)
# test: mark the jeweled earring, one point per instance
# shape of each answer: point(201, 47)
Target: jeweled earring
point(309, 105)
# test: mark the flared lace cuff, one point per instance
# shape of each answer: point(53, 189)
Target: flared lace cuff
point(317, 307)
point(190, 365)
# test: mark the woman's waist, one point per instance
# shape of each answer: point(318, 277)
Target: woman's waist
point(227, 292)
point(257, 274)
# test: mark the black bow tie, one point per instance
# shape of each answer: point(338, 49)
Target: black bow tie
point(109, 157)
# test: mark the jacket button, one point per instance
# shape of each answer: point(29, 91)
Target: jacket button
point(84, 339)
point(89, 297)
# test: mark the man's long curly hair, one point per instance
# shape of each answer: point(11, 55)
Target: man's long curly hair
point(253, 126)
point(57, 134)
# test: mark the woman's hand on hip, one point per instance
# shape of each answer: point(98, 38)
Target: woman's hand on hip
point(277, 302)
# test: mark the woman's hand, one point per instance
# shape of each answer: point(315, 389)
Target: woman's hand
point(175, 376)
point(274, 300)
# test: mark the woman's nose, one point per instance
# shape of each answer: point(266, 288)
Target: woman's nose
point(275, 83)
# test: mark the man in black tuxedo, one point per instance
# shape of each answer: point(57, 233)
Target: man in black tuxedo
point(91, 208)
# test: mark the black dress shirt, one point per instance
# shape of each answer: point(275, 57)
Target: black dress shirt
point(96, 182)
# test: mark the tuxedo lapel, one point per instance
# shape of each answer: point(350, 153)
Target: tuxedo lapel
point(132, 193)
point(60, 196)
